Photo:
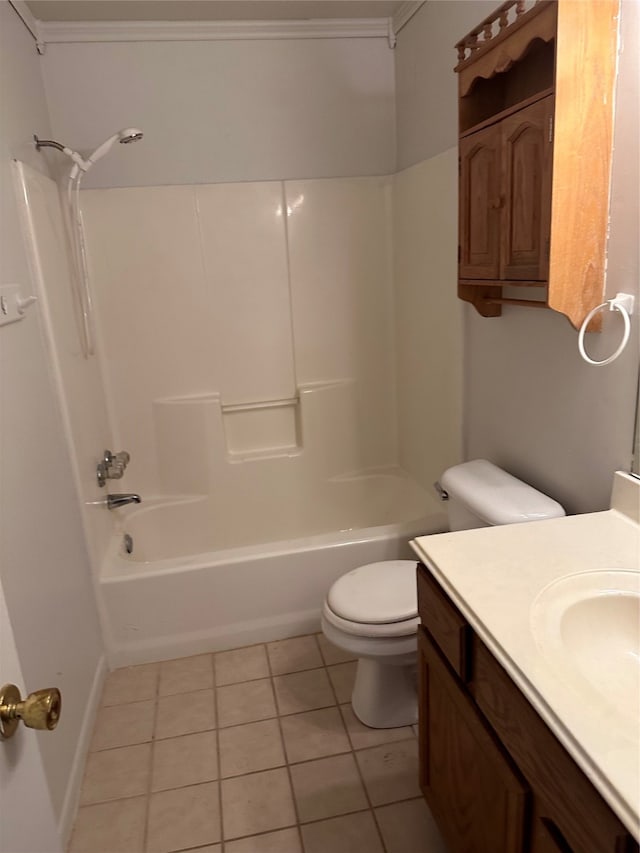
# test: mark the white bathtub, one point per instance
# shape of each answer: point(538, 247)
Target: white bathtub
point(194, 584)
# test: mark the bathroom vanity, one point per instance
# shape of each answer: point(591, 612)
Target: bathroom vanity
point(529, 737)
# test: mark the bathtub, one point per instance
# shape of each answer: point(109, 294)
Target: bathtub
point(196, 583)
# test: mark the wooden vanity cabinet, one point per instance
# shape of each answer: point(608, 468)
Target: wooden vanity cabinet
point(535, 96)
point(495, 777)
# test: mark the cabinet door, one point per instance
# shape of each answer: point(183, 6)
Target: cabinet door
point(526, 185)
point(471, 785)
point(480, 202)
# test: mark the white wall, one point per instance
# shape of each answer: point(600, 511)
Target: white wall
point(530, 404)
point(426, 87)
point(227, 110)
point(45, 566)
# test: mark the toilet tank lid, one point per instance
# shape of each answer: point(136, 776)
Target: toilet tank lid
point(495, 496)
point(377, 593)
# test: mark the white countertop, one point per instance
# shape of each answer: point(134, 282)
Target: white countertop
point(495, 574)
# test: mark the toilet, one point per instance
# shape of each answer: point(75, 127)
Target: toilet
point(372, 611)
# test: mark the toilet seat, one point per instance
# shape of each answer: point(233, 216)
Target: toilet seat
point(371, 629)
point(375, 600)
point(376, 594)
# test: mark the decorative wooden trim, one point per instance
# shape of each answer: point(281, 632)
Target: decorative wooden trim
point(509, 17)
point(585, 89)
point(57, 32)
point(479, 295)
point(497, 55)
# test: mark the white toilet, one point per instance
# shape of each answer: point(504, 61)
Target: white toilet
point(372, 611)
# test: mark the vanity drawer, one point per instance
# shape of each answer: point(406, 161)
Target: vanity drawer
point(445, 623)
point(565, 799)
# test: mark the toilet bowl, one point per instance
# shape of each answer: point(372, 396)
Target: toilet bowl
point(371, 612)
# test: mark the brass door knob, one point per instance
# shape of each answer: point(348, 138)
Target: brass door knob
point(39, 710)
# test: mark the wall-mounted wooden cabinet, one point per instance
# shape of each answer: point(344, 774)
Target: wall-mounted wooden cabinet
point(494, 775)
point(535, 117)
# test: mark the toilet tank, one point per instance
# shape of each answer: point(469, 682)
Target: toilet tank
point(482, 495)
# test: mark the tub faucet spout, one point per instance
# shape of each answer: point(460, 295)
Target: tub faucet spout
point(115, 501)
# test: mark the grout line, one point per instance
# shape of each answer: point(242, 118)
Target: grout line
point(286, 757)
point(219, 756)
point(145, 835)
point(358, 770)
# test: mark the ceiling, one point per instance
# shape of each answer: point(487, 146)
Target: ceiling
point(208, 10)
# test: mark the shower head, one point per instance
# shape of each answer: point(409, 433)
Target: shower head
point(128, 134)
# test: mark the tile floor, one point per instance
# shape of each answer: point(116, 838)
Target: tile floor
point(254, 750)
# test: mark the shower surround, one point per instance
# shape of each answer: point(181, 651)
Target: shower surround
point(247, 341)
point(245, 293)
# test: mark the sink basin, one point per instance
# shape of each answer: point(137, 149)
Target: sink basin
point(588, 625)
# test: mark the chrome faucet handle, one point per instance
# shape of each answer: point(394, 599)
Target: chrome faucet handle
point(102, 473)
point(111, 466)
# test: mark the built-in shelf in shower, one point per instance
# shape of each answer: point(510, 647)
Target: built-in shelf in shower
point(262, 429)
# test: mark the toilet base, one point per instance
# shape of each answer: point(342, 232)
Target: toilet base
point(385, 696)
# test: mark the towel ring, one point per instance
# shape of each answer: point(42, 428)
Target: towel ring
point(622, 302)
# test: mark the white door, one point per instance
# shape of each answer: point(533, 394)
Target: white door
point(27, 821)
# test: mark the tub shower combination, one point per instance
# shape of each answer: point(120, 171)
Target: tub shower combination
point(250, 510)
point(252, 560)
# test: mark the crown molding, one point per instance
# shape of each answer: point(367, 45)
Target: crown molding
point(58, 32)
point(404, 13)
point(28, 19)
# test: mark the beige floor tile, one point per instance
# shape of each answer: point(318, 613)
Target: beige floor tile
point(354, 833)
point(185, 714)
point(303, 691)
point(327, 787)
point(409, 826)
point(390, 772)
point(246, 702)
point(131, 684)
point(332, 654)
point(110, 827)
point(185, 675)
point(254, 746)
point(257, 803)
point(294, 655)
point(241, 665)
point(183, 818)
point(362, 736)
point(343, 676)
point(186, 760)
point(116, 773)
point(282, 841)
point(123, 725)
point(314, 734)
